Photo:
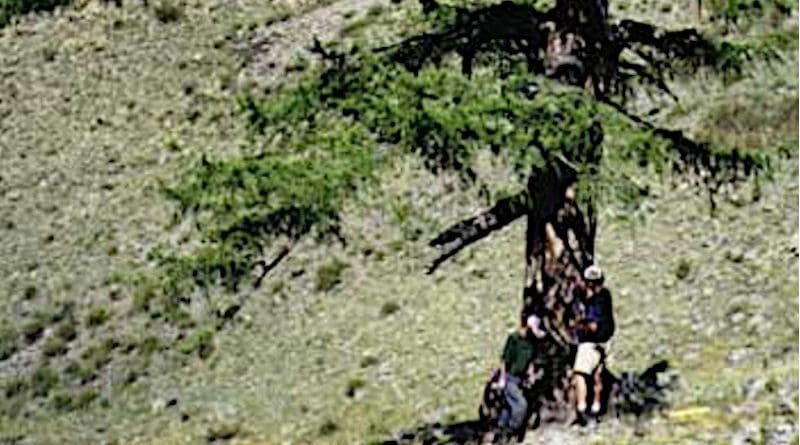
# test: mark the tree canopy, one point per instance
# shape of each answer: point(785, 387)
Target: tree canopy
point(317, 141)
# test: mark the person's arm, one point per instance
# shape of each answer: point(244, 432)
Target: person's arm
point(504, 358)
point(604, 328)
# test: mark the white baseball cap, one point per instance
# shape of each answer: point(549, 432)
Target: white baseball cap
point(592, 273)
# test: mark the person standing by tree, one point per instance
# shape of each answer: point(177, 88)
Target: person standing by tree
point(594, 327)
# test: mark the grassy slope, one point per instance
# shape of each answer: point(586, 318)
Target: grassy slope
point(283, 371)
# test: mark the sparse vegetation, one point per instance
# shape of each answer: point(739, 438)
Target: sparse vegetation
point(329, 275)
point(97, 316)
point(149, 345)
point(33, 330)
point(683, 268)
point(76, 371)
point(168, 11)
point(67, 192)
point(9, 9)
point(353, 385)
point(70, 401)
point(43, 380)
point(224, 431)
point(97, 355)
point(16, 386)
point(389, 308)
point(327, 428)
point(54, 346)
point(200, 342)
point(66, 330)
point(8, 341)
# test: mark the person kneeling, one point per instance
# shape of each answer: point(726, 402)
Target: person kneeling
point(517, 372)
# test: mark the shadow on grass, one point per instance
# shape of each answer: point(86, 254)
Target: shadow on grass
point(638, 395)
point(462, 433)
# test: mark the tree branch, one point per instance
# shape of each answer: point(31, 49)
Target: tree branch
point(468, 231)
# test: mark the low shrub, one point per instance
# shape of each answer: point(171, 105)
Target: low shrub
point(329, 275)
point(8, 341)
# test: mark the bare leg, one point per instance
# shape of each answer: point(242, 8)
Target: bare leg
point(598, 389)
point(580, 392)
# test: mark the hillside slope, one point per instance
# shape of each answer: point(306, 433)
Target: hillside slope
point(356, 344)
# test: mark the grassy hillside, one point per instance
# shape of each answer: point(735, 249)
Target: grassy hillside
point(348, 344)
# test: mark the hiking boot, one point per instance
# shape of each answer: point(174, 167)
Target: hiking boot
point(580, 419)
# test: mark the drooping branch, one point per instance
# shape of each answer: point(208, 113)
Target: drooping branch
point(468, 231)
point(712, 168)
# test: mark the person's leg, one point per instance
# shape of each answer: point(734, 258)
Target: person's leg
point(586, 360)
point(519, 408)
point(515, 410)
point(579, 381)
point(598, 389)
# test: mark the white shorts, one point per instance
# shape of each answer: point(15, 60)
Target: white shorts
point(587, 358)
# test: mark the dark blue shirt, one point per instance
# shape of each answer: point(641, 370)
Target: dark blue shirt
point(598, 309)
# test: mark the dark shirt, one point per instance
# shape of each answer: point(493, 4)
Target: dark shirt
point(517, 354)
point(598, 309)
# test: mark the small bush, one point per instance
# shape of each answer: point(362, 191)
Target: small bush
point(168, 11)
point(149, 345)
point(33, 330)
point(8, 341)
point(328, 427)
point(97, 356)
point(375, 10)
point(61, 401)
point(683, 269)
point(16, 386)
point(66, 331)
point(389, 308)
point(80, 373)
point(56, 313)
point(353, 385)
point(369, 360)
point(43, 381)
point(329, 275)
point(200, 342)
point(14, 8)
point(54, 346)
point(84, 397)
point(223, 431)
point(67, 401)
point(144, 295)
point(97, 316)
point(29, 292)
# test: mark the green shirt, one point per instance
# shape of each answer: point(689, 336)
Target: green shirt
point(517, 354)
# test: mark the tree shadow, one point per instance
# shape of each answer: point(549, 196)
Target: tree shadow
point(456, 433)
point(629, 394)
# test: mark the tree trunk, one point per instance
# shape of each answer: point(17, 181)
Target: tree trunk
point(559, 246)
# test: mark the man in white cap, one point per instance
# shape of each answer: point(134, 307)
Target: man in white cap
point(593, 328)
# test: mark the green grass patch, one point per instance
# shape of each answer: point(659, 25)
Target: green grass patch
point(43, 380)
point(9, 9)
point(9, 338)
point(78, 372)
point(329, 275)
point(98, 355)
point(200, 342)
point(33, 330)
point(67, 331)
point(54, 346)
point(97, 316)
point(73, 400)
point(168, 11)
